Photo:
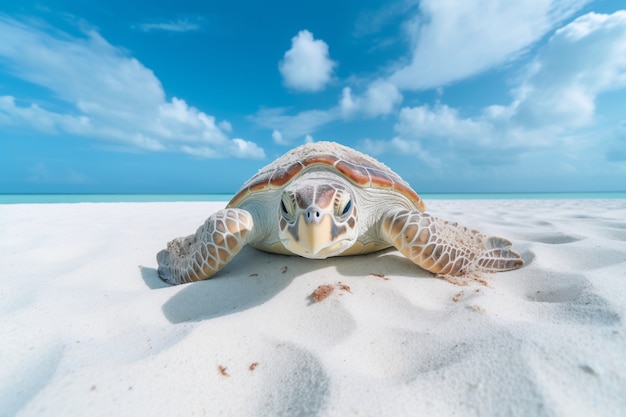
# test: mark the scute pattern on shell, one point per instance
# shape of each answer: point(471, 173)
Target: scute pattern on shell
point(362, 170)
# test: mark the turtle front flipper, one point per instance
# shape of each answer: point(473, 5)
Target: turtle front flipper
point(199, 256)
point(447, 248)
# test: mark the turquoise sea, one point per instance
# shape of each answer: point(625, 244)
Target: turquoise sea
point(143, 198)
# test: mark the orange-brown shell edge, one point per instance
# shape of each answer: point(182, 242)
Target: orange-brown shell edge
point(362, 170)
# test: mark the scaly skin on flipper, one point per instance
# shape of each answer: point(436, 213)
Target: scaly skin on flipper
point(199, 256)
point(447, 249)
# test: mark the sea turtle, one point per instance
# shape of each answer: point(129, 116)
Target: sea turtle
point(324, 199)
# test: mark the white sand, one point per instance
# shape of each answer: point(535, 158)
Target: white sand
point(86, 332)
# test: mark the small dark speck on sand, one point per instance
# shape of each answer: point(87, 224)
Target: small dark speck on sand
point(222, 370)
point(344, 287)
point(380, 276)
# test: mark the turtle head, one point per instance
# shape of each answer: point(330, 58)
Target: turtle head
point(317, 219)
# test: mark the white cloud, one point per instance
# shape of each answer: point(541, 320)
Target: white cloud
point(246, 149)
point(553, 101)
point(225, 126)
point(404, 147)
point(307, 65)
point(113, 96)
point(581, 61)
point(380, 98)
point(375, 20)
point(440, 123)
point(440, 134)
point(41, 119)
point(293, 126)
point(309, 139)
point(278, 138)
point(347, 103)
point(450, 41)
point(178, 25)
point(454, 40)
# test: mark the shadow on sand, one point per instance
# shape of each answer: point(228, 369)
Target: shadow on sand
point(254, 277)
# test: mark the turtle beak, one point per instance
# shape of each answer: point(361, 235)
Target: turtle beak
point(315, 230)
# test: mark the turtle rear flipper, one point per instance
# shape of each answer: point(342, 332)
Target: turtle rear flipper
point(201, 255)
point(444, 248)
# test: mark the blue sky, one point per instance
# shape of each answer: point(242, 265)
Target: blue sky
point(111, 96)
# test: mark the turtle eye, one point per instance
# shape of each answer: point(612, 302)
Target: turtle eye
point(347, 208)
point(286, 205)
point(343, 205)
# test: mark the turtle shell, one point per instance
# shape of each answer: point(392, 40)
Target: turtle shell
point(360, 169)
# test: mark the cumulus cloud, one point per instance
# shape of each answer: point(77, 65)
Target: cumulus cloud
point(449, 42)
point(454, 40)
point(307, 65)
point(43, 120)
point(405, 147)
point(380, 98)
point(556, 97)
point(581, 60)
point(113, 96)
point(291, 126)
point(441, 134)
point(246, 149)
point(441, 122)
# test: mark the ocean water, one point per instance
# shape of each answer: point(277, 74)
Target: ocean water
point(149, 198)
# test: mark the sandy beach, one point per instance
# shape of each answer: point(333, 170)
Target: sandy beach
point(87, 327)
